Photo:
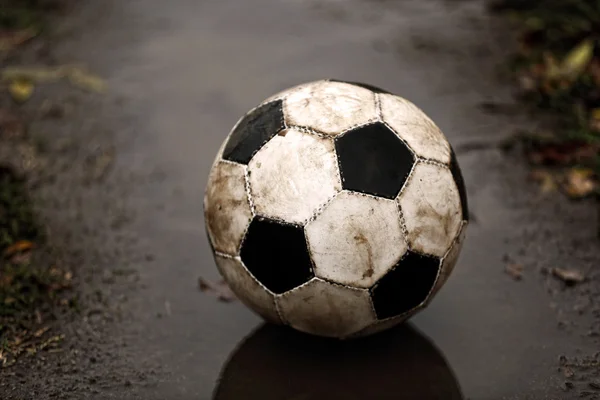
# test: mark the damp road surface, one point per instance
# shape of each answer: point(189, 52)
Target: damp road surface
point(186, 70)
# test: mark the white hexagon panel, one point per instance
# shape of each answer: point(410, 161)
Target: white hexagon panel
point(431, 206)
point(307, 176)
point(226, 206)
point(356, 239)
point(330, 107)
point(337, 208)
point(323, 308)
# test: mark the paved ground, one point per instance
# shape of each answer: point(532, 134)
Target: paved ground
point(181, 73)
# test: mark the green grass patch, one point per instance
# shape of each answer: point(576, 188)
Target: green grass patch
point(557, 66)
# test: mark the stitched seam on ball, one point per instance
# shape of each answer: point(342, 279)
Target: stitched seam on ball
point(432, 162)
point(378, 109)
point(249, 191)
point(408, 179)
point(338, 169)
point(282, 127)
point(412, 151)
point(372, 303)
point(311, 131)
point(368, 195)
point(370, 121)
point(252, 210)
point(263, 287)
point(224, 255)
point(403, 224)
point(399, 206)
point(279, 220)
point(289, 292)
point(237, 164)
point(320, 208)
point(345, 285)
point(309, 251)
point(278, 311)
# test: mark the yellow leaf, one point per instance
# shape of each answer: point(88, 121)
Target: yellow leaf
point(21, 90)
point(87, 81)
point(577, 59)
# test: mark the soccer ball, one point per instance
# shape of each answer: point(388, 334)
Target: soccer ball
point(336, 208)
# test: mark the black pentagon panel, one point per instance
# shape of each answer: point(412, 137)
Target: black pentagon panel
point(460, 183)
point(363, 85)
point(253, 131)
point(276, 254)
point(406, 285)
point(373, 160)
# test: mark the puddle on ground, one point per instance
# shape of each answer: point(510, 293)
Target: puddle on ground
point(188, 70)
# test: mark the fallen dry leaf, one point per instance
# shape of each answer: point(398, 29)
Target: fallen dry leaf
point(568, 372)
point(568, 276)
point(579, 183)
point(17, 247)
point(41, 331)
point(575, 62)
point(219, 289)
point(21, 90)
point(546, 180)
point(515, 271)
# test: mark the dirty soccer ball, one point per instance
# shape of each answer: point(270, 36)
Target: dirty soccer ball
point(336, 208)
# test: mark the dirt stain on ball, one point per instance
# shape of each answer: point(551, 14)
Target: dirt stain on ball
point(361, 240)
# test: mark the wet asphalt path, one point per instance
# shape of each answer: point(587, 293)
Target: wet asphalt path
point(187, 70)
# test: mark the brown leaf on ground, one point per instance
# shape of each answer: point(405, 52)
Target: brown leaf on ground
point(579, 183)
point(515, 271)
point(11, 39)
point(17, 247)
point(220, 289)
point(568, 276)
point(11, 126)
point(545, 179)
point(41, 331)
point(568, 372)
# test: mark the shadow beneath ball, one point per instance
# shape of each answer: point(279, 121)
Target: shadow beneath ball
point(278, 363)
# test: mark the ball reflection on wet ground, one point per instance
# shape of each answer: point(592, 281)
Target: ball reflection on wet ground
point(276, 362)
